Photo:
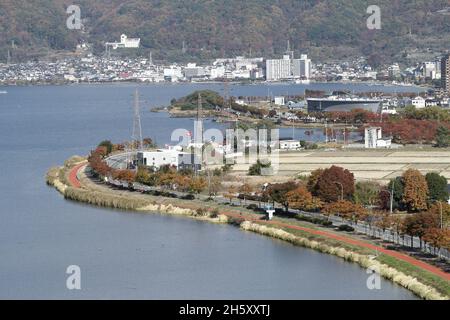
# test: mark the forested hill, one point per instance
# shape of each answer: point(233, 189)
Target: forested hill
point(216, 28)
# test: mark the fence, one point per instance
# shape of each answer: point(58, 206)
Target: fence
point(387, 235)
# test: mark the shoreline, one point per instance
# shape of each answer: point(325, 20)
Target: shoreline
point(61, 178)
point(422, 87)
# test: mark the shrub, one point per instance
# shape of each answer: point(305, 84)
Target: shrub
point(257, 168)
point(346, 228)
point(200, 212)
point(326, 223)
point(215, 213)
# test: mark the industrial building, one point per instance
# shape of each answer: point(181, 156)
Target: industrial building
point(343, 103)
point(169, 157)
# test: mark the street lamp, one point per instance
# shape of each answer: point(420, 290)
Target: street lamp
point(342, 189)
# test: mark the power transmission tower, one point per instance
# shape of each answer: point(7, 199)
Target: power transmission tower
point(198, 135)
point(226, 94)
point(136, 138)
point(199, 122)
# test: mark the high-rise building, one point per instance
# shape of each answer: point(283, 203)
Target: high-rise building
point(305, 67)
point(445, 73)
point(288, 68)
point(277, 69)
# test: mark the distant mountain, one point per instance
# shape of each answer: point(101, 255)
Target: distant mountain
point(411, 30)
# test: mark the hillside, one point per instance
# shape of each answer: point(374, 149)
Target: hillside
point(212, 28)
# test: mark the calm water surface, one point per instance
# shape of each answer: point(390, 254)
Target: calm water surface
point(129, 255)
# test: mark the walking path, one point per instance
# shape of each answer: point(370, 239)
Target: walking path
point(73, 175)
point(73, 179)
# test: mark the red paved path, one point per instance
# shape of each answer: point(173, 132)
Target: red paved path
point(73, 179)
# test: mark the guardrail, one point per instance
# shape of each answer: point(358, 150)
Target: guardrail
point(387, 234)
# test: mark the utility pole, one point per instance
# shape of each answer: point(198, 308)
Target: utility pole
point(392, 197)
point(441, 213)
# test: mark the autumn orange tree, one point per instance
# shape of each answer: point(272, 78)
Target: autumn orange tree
point(301, 199)
point(415, 192)
point(166, 179)
point(128, 176)
point(437, 237)
point(277, 192)
point(231, 193)
point(416, 225)
point(98, 164)
point(182, 182)
point(334, 183)
point(345, 209)
point(197, 184)
point(245, 190)
point(312, 179)
point(435, 209)
point(383, 220)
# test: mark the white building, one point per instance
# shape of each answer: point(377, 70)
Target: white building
point(173, 72)
point(290, 144)
point(171, 157)
point(305, 67)
point(394, 71)
point(279, 101)
point(217, 72)
point(277, 69)
point(125, 42)
point(431, 70)
point(194, 71)
point(418, 102)
point(373, 138)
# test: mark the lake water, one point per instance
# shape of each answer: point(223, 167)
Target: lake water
point(128, 255)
